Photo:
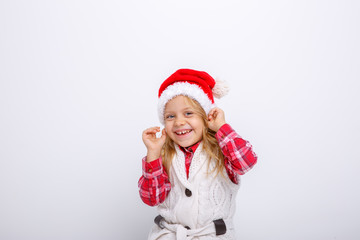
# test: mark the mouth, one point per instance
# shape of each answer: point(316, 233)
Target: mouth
point(183, 132)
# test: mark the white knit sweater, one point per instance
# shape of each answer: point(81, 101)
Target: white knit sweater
point(212, 197)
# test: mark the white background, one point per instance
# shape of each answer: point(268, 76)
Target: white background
point(79, 82)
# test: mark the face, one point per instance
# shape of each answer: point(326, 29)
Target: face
point(182, 124)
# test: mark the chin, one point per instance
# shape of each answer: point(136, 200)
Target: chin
point(183, 144)
point(187, 144)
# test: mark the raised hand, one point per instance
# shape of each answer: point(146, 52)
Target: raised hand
point(153, 143)
point(216, 118)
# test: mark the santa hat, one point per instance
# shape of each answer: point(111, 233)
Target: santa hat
point(197, 85)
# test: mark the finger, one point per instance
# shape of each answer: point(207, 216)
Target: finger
point(211, 117)
point(210, 114)
point(150, 133)
point(212, 111)
point(214, 114)
point(163, 134)
point(152, 130)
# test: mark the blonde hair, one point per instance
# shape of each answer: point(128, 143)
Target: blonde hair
point(210, 144)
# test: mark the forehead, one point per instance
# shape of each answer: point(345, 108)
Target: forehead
point(178, 103)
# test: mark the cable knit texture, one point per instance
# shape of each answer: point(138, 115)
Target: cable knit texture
point(212, 197)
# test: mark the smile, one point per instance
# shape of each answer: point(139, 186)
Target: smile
point(183, 132)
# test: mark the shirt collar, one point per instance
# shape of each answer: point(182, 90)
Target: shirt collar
point(191, 149)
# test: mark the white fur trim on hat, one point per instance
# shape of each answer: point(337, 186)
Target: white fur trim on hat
point(183, 88)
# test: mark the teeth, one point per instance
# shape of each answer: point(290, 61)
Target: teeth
point(183, 132)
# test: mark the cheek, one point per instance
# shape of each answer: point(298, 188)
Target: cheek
point(167, 128)
point(199, 125)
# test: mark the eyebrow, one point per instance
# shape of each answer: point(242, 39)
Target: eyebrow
point(185, 109)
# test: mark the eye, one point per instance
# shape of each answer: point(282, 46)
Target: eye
point(169, 116)
point(188, 114)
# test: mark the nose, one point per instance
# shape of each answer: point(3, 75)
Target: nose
point(179, 121)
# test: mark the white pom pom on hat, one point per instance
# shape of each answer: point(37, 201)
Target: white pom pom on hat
point(220, 89)
point(197, 85)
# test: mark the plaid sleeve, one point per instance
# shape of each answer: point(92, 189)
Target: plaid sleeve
point(239, 156)
point(154, 183)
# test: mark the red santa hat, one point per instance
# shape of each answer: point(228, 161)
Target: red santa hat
point(197, 85)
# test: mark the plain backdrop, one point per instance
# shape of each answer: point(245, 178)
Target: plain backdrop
point(79, 82)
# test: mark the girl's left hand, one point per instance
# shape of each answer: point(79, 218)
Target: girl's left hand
point(216, 118)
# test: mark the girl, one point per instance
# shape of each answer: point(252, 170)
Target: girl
point(192, 171)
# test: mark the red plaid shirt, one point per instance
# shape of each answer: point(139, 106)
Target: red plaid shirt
point(239, 158)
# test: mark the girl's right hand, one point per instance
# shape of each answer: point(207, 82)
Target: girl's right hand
point(152, 143)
